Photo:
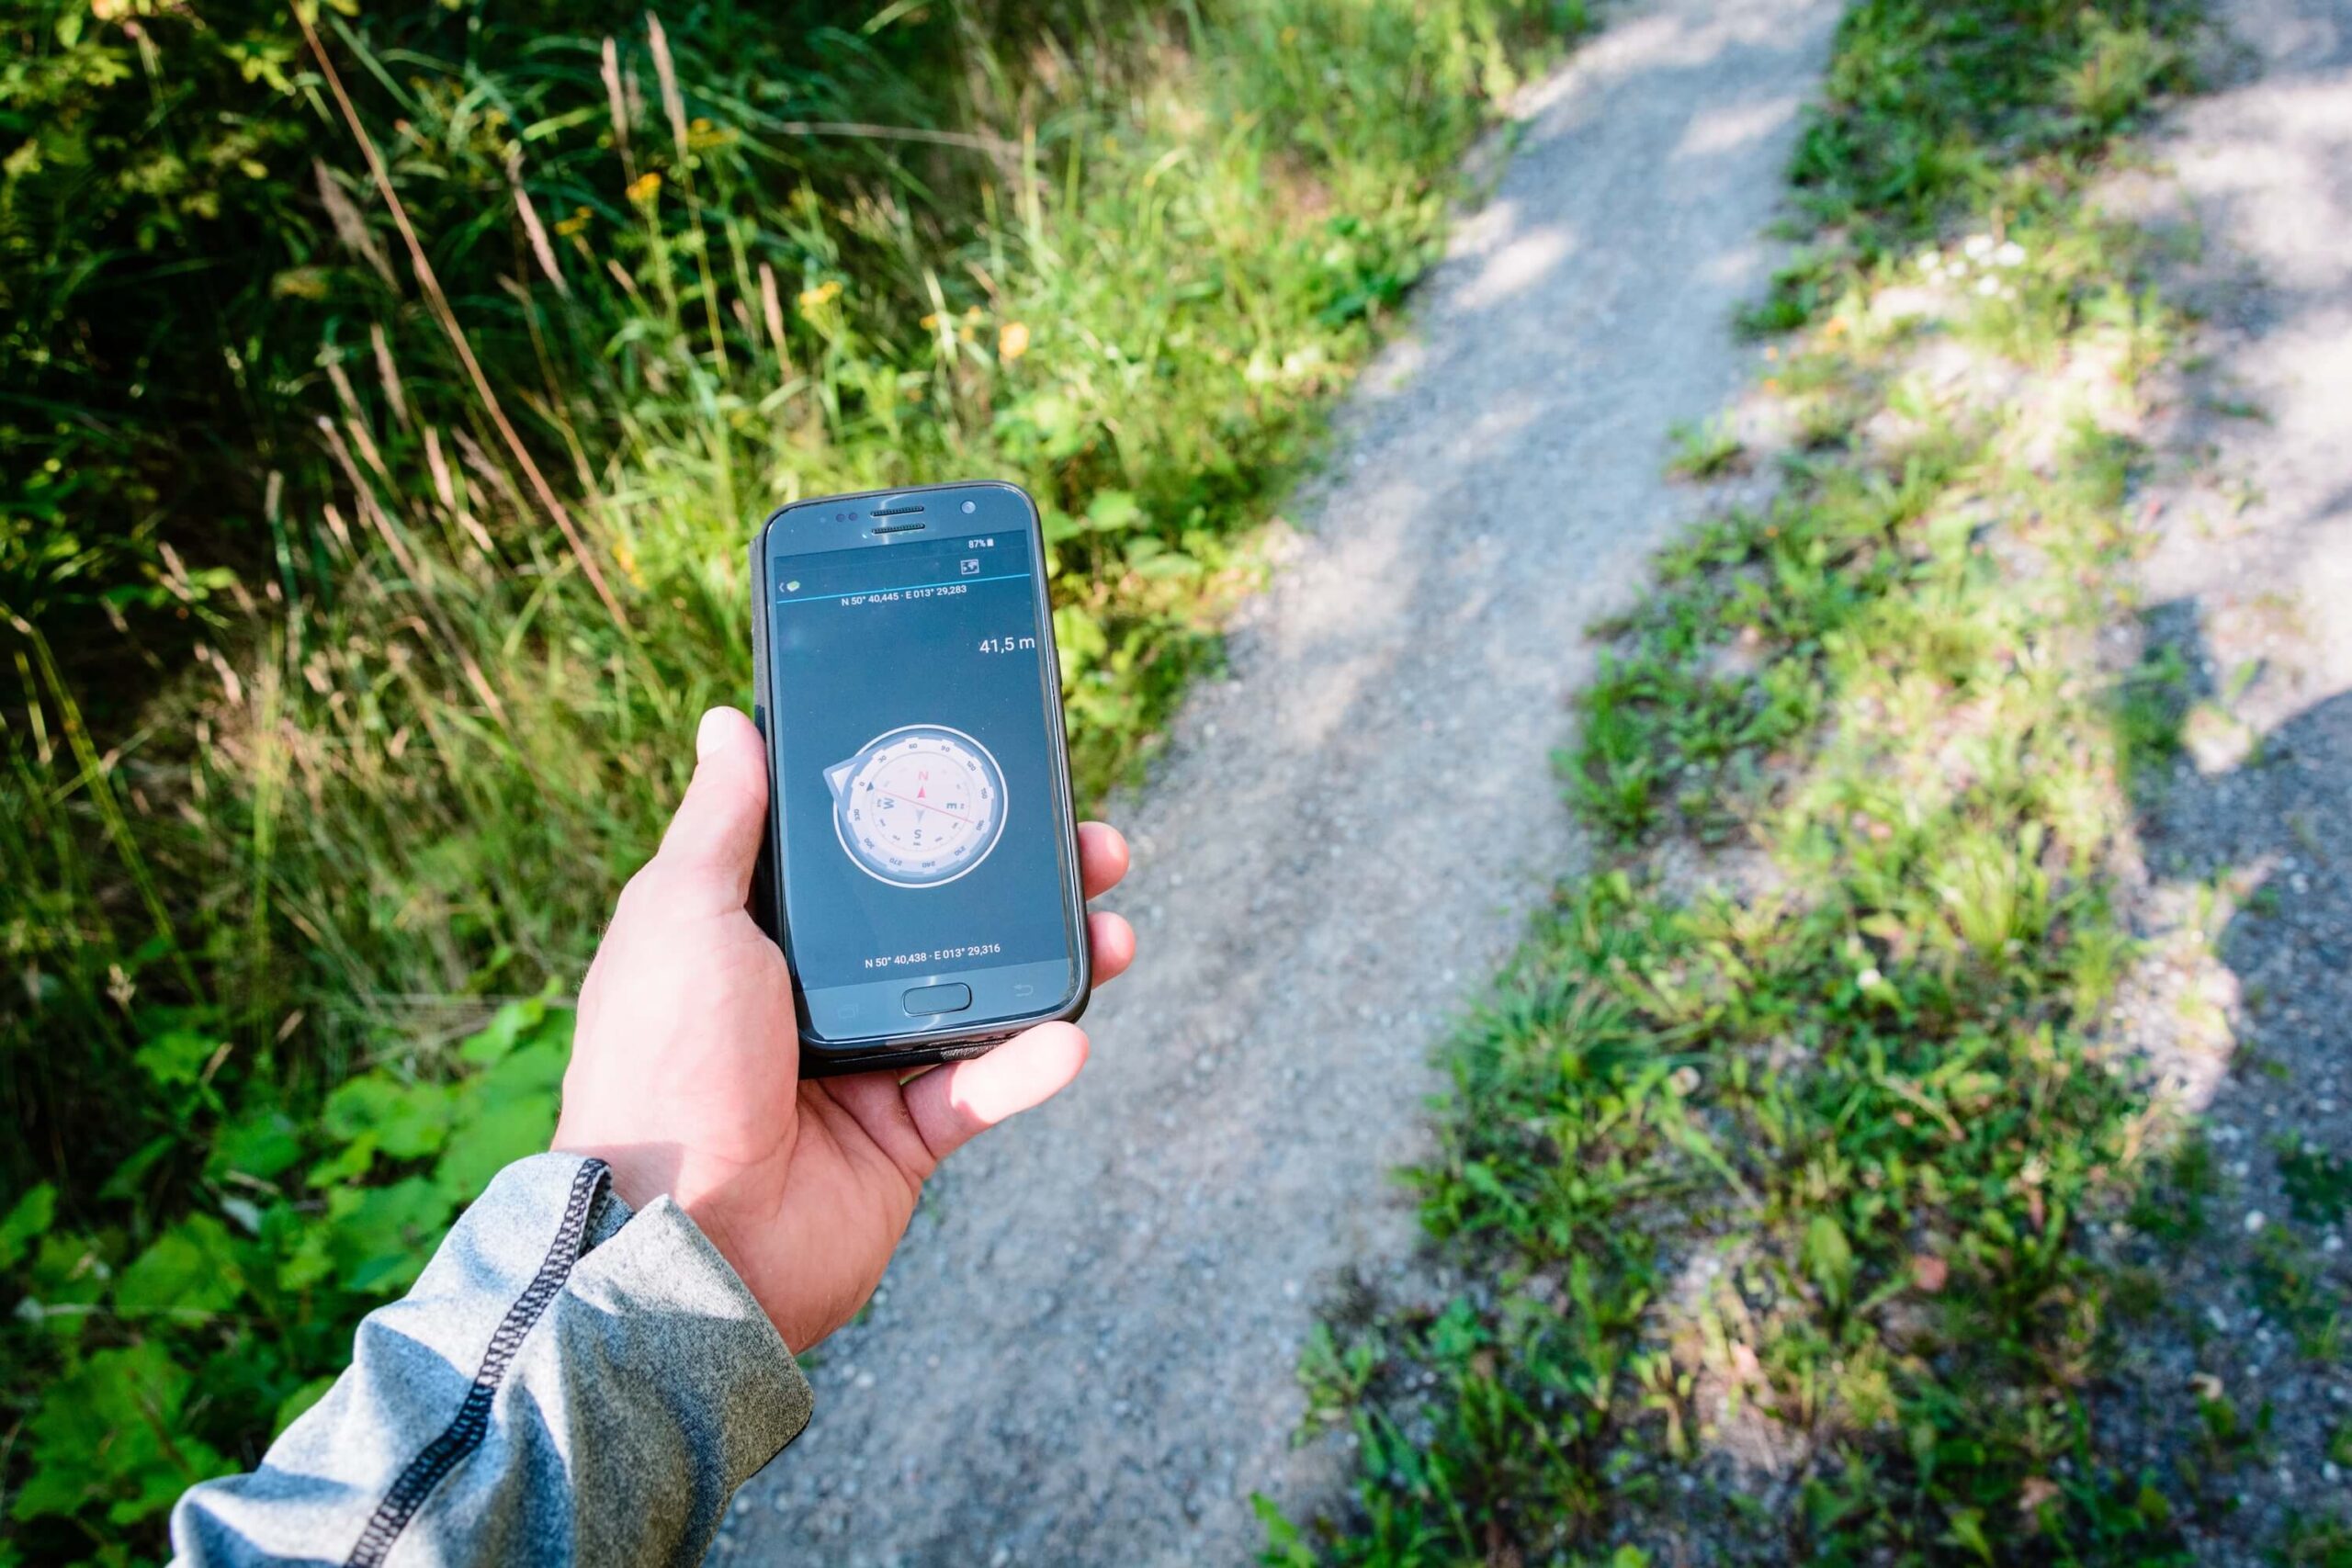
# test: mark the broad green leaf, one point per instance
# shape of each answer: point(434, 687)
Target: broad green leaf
point(356, 1106)
point(533, 1072)
point(347, 1165)
point(69, 1269)
point(261, 1145)
point(27, 1221)
point(1115, 512)
point(502, 1132)
point(311, 1262)
point(383, 1235)
point(1079, 635)
point(406, 1120)
point(508, 1028)
point(177, 1058)
point(189, 1271)
point(1168, 565)
point(124, 1182)
point(107, 1432)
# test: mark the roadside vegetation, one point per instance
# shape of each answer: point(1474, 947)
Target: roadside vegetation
point(388, 397)
point(1769, 1159)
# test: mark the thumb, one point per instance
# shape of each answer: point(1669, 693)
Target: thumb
point(714, 841)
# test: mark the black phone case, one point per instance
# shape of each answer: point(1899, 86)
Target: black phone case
point(818, 1060)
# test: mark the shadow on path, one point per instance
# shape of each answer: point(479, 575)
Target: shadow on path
point(2240, 1272)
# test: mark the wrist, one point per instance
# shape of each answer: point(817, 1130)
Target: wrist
point(635, 1174)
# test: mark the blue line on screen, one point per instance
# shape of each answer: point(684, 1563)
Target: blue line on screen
point(902, 588)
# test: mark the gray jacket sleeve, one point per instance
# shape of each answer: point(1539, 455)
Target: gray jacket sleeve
point(568, 1383)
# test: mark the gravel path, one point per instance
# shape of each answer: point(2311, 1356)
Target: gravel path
point(2251, 581)
point(1085, 1352)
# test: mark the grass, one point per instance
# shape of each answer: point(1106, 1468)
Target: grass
point(2151, 705)
point(1769, 1195)
point(340, 717)
point(1707, 450)
point(2318, 1184)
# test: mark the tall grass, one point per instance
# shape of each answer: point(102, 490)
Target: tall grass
point(322, 761)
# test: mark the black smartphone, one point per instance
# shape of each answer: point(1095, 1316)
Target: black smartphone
point(920, 871)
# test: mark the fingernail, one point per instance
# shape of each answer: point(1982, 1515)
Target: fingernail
point(706, 734)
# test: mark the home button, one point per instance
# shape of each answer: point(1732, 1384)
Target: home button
point(928, 999)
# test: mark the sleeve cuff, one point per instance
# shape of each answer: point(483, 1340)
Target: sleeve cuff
point(655, 1267)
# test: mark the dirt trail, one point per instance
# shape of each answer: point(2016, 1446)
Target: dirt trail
point(2251, 584)
point(1085, 1352)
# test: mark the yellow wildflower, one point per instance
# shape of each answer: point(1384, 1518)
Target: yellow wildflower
point(810, 299)
point(1012, 341)
point(645, 188)
point(572, 225)
point(931, 323)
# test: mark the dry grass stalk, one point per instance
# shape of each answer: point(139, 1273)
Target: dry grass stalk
point(665, 69)
point(388, 372)
point(431, 283)
point(610, 71)
point(540, 247)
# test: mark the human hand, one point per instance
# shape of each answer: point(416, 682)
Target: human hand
point(685, 1074)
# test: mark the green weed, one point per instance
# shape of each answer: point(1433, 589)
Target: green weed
point(2318, 1184)
point(2174, 1209)
point(2293, 1292)
point(1704, 450)
point(2151, 716)
point(2324, 1542)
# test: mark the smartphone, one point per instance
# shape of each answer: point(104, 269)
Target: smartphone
point(920, 869)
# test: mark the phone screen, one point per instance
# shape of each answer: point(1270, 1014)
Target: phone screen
point(918, 779)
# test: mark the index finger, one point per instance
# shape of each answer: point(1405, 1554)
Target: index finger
point(1102, 857)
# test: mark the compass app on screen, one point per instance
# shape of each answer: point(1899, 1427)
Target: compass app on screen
point(912, 768)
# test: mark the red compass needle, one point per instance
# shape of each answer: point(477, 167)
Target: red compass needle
point(926, 806)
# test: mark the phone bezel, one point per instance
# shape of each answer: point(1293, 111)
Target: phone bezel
point(812, 534)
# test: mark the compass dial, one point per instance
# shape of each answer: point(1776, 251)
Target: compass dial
point(918, 806)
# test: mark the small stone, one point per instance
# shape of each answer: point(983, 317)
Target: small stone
point(2253, 1221)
